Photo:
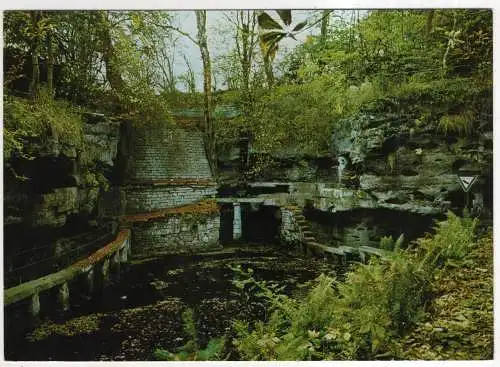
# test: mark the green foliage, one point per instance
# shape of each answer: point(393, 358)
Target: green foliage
point(272, 32)
point(295, 119)
point(363, 317)
point(452, 241)
point(191, 350)
point(41, 119)
point(380, 300)
point(461, 124)
point(95, 179)
point(388, 62)
point(387, 243)
point(375, 303)
point(290, 330)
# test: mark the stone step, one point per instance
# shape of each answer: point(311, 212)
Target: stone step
point(308, 233)
point(309, 239)
point(372, 250)
point(324, 248)
point(347, 249)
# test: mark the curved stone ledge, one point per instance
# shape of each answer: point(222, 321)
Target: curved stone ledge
point(145, 199)
point(177, 181)
point(202, 207)
point(32, 288)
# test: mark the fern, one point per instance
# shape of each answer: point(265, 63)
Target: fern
point(361, 317)
point(461, 124)
point(452, 241)
point(191, 350)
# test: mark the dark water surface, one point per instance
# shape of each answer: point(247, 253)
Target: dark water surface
point(143, 310)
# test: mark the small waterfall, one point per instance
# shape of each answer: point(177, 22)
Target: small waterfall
point(340, 168)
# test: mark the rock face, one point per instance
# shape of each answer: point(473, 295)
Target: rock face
point(392, 161)
point(52, 187)
point(365, 227)
point(49, 196)
point(401, 166)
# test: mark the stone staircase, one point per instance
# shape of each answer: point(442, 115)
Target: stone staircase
point(340, 254)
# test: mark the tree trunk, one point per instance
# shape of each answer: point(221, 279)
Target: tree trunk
point(429, 22)
point(324, 24)
point(113, 74)
point(190, 78)
point(50, 64)
point(268, 69)
point(246, 37)
point(245, 47)
point(35, 54)
point(201, 21)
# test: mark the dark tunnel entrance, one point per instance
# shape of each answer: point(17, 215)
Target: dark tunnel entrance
point(260, 223)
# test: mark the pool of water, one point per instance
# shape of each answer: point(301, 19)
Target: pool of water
point(143, 310)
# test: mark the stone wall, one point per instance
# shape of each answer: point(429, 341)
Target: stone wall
point(143, 199)
point(102, 140)
point(164, 151)
point(365, 227)
point(54, 208)
point(167, 182)
point(290, 233)
point(184, 233)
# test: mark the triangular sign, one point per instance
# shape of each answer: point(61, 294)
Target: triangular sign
point(467, 181)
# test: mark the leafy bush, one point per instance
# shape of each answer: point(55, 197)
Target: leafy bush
point(290, 331)
point(42, 118)
point(191, 351)
point(360, 318)
point(457, 123)
point(452, 241)
point(387, 243)
point(377, 302)
point(95, 179)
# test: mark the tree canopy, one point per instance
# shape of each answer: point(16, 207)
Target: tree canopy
point(434, 64)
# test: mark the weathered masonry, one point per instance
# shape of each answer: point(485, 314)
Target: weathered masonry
point(166, 190)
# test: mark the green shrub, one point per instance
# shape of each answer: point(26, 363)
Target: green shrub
point(191, 350)
point(387, 243)
point(367, 313)
point(461, 124)
point(451, 242)
point(375, 303)
point(42, 118)
point(291, 332)
point(362, 317)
